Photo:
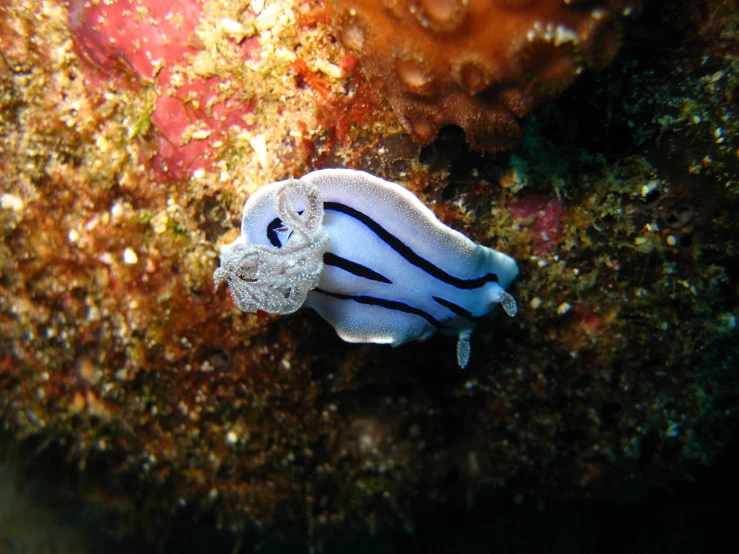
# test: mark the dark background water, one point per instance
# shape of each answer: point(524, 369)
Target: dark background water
point(698, 515)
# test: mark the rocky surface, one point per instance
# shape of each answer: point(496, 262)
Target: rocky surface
point(115, 350)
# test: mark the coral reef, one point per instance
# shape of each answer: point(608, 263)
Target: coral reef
point(478, 64)
point(120, 362)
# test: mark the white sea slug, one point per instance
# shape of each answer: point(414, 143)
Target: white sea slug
point(368, 256)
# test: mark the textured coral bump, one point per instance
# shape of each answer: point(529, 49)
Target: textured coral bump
point(478, 64)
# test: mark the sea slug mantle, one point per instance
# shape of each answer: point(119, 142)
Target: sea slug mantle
point(368, 256)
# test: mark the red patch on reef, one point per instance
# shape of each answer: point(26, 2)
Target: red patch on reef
point(137, 32)
point(543, 217)
point(305, 75)
point(341, 113)
point(145, 40)
point(588, 319)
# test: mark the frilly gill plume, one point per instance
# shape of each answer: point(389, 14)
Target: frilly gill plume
point(278, 280)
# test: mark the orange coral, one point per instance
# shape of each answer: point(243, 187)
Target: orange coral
point(479, 64)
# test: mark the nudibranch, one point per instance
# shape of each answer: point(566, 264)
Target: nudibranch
point(368, 256)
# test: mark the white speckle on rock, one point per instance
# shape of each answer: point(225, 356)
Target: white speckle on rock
point(159, 222)
point(259, 144)
point(232, 28)
point(232, 437)
point(116, 212)
point(12, 202)
point(130, 257)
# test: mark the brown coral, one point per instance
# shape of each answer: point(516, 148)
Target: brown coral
point(479, 64)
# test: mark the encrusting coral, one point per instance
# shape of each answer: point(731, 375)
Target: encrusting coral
point(478, 64)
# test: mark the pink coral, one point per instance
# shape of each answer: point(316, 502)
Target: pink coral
point(543, 217)
point(153, 41)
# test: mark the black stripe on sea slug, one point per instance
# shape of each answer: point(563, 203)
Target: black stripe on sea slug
point(383, 303)
point(275, 224)
point(354, 268)
point(404, 250)
point(456, 309)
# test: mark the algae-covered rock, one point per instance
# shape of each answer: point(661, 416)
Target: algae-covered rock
point(128, 147)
